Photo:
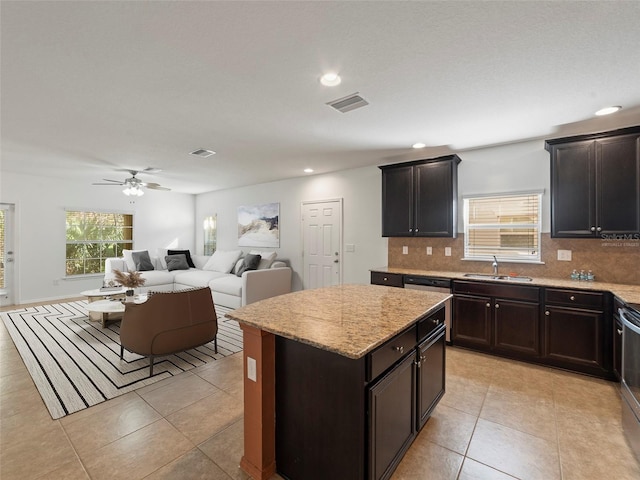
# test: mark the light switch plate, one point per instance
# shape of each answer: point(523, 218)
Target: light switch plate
point(251, 369)
point(447, 251)
point(405, 250)
point(564, 255)
point(351, 247)
point(429, 251)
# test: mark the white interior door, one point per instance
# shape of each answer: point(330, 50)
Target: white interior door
point(7, 264)
point(322, 243)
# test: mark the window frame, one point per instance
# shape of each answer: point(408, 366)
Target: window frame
point(536, 259)
point(125, 243)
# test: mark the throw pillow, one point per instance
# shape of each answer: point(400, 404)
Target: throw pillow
point(128, 258)
point(142, 261)
point(177, 262)
point(186, 253)
point(267, 258)
point(250, 263)
point(222, 261)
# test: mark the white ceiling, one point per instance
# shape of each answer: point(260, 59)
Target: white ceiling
point(90, 87)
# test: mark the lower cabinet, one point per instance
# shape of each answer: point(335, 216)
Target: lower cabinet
point(497, 318)
point(575, 334)
point(392, 413)
point(354, 419)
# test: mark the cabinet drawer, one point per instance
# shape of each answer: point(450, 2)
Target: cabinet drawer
point(514, 292)
point(390, 352)
point(575, 298)
point(388, 279)
point(429, 323)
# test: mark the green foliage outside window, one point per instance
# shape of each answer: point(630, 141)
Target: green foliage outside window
point(94, 236)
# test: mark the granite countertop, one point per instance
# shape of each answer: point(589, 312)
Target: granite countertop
point(350, 320)
point(627, 293)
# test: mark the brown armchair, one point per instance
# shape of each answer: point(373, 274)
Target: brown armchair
point(169, 322)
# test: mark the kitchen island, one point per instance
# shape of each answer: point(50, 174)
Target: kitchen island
point(338, 380)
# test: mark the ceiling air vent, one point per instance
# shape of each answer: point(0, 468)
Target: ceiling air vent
point(348, 103)
point(203, 153)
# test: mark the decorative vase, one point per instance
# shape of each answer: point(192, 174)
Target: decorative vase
point(129, 296)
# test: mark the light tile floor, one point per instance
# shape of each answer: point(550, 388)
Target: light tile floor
point(499, 420)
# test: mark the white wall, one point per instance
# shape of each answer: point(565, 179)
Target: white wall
point(167, 219)
point(161, 220)
point(360, 190)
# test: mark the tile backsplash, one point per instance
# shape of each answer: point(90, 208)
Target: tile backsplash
point(615, 261)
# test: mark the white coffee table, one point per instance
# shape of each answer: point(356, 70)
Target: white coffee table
point(96, 295)
point(109, 310)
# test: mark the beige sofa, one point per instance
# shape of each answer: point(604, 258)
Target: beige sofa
point(272, 277)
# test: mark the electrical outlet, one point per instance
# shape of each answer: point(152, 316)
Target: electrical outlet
point(429, 251)
point(405, 250)
point(564, 255)
point(252, 373)
point(447, 251)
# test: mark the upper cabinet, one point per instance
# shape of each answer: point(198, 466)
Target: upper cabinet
point(420, 198)
point(595, 184)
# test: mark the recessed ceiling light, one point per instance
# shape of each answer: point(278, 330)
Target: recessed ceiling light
point(330, 79)
point(201, 152)
point(308, 170)
point(608, 110)
point(419, 145)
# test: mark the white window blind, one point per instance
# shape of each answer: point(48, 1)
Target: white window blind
point(507, 226)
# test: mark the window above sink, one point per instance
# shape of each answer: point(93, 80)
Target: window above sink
point(506, 225)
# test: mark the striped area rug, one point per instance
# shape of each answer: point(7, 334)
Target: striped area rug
point(75, 363)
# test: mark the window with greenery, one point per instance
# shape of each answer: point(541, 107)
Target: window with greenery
point(94, 236)
point(507, 226)
point(210, 226)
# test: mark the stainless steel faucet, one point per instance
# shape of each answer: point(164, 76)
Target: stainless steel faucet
point(495, 266)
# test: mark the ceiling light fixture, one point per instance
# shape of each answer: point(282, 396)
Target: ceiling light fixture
point(133, 190)
point(308, 170)
point(608, 110)
point(330, 79)
point(419, 145)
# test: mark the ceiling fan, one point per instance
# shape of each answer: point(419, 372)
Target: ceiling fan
point(133, 185)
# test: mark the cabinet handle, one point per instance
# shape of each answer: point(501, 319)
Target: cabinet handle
point(436, 321)
point(411, 230)
point(399, 349)
point(547, 313)
point(599, 229)
point(619, 331)
point(572, 298)
point(593, 229)
point(497, 305)
point(385, 279)
point(488, 305)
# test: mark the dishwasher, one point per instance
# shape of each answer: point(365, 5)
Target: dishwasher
point(433, 284)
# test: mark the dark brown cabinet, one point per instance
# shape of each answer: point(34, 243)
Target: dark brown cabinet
point(617, 340)
point(354, 419)
point(392, 425)
point(595, 184)
point(420, 198)
point(575, 333)
point(502, 319)
point(388, 279)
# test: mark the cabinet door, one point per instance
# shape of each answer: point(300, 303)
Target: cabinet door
point(391, 418)
point(431, 374)
point(397, 202)
point(574, 338)
point(471, 322)
point(573, 199)
point(618, 185)
point(516, 327)
point(617, 347)
point(434, 199)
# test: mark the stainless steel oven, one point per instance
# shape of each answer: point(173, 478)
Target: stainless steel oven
point(630, 385)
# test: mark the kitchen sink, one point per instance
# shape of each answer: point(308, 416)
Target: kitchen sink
point(489, 276)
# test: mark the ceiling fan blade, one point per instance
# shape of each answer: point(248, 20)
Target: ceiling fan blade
point(112, 182)
point(155, 186)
